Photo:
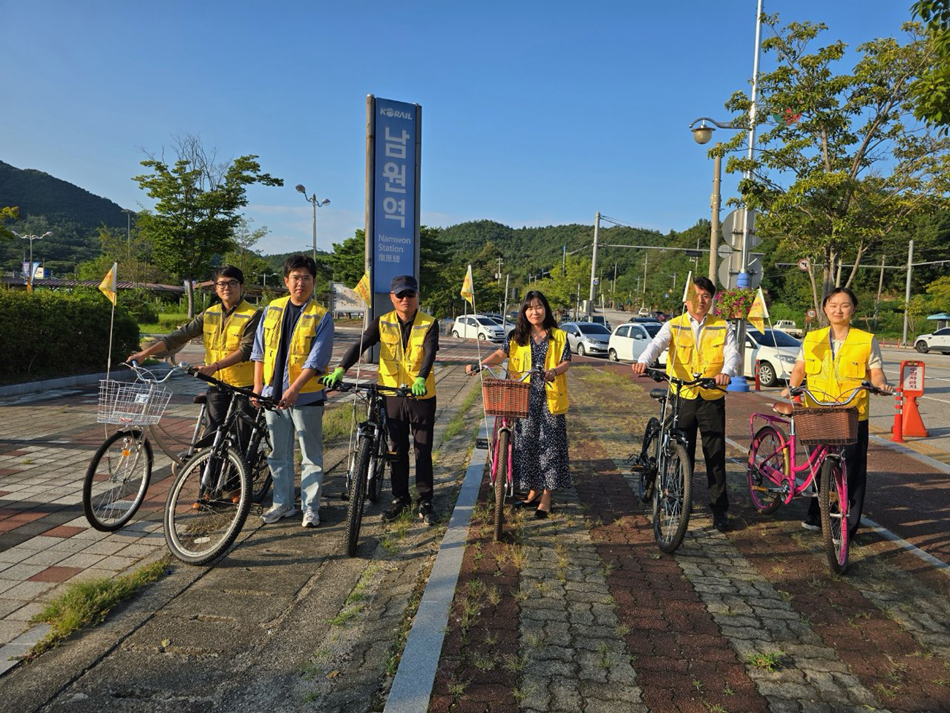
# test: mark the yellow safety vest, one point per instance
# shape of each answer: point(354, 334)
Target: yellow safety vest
point(222, 337)
point(300, 342)
point(398, 366)
point(685, 359)
point(519, 362)
point(832, 377)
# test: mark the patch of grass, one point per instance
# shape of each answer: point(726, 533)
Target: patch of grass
point(606, 660)
point(457, 689)
point(886, 691)
point(697, 684)
point(514, 663)
point(346, 614)
point(88, 603)
point(337, 421)
point(622, 630)
point(714, 707)
point(26, 461)
point(768, 662)
point(727, 691)
point(458, 420)
point(484, 663)
point(493, 595)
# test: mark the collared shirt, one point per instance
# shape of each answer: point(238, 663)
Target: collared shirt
point(371, 337)
point(320, 352)
point(661, 341)
point(194, 329)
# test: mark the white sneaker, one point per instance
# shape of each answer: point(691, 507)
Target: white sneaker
point(311, 518)
point(278, 512)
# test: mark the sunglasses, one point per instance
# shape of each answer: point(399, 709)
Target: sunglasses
point(407, 295)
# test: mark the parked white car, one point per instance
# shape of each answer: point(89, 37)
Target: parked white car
point(507, 323)
point(587, 338)
point(476, 326)
point(776, 351)
point(629, 340)
point(939, 341)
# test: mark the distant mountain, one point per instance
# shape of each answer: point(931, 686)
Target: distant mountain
point(38, 193)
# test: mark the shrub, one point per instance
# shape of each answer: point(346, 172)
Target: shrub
point(53, 333)
point(140, 304)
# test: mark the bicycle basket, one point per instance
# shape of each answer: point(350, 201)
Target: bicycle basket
point(140, 403)
point(505, 398)
point(827, 425)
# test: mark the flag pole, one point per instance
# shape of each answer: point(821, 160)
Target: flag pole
point(109, 357)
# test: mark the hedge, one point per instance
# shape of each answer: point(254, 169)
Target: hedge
point(53, 333)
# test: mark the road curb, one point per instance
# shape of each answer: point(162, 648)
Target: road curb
point(68, 382)
point(412, 685)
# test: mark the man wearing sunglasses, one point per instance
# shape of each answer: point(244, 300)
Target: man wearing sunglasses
point(227, 330)
point(408, 340)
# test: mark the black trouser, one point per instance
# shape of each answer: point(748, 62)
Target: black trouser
point(418, 416)
point(856, 461)
point(218, 402)
point(710, 419)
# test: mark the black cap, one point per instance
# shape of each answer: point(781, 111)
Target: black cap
point(403, 283)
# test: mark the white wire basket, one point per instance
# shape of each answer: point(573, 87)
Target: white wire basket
point(140, 403)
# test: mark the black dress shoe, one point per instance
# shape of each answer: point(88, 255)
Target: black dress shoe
point(721, 522)
point(527, 503)
point(541, 514)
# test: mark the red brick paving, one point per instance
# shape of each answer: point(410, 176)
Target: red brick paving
point(56, 574)
point(64, 531)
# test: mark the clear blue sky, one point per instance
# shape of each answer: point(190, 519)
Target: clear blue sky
point(534, 113)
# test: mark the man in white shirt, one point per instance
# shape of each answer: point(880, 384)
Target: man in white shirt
point(700, 344)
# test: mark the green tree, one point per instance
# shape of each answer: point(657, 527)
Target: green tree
point(197, 199)
point(840, 165)
point(939, 291)
point(243, 256)
point(348, 259)
point(931, 90)
point(6, 214)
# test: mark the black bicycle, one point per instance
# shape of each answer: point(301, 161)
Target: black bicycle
point(209, 501)
point(367, 466)
point(666, 476)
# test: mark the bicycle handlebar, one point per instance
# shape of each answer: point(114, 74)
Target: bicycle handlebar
point(484, 367)
point(265, 401)
point(704, 382)
point(147, 375)
point(865, 386)
point(345, 386)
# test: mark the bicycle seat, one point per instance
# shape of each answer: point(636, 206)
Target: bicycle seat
point(658, 394)
point(783, 408)
point(200, 399)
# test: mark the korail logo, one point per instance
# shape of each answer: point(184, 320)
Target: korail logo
point(392, 113)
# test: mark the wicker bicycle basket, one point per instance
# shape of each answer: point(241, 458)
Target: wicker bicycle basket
point(141, 403)
point(827, 425)
point(505, 398)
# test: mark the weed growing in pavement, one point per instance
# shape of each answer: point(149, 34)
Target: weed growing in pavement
point(521, 692)
point(921, 654)
point(533, 641)
point(457, 688)
point(786, 596)
point(541, 587)
point(697, 684)
point(493, 595)
point(714, 707)
point(768, 662)
point(621, 630)
point(402, 632)
point(484, 663)
point(886, 691)
point(88, 603)
point(476, 588)
point(655, 555)
point(346, 614)
point(941, 682)
point(514, 663)
point(606, 660)
point(853, 620)
point(491, 639)
point(458, 420)
point(521, 596)
point(727, 691)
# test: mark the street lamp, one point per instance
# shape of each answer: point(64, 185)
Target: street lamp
point(316, 203)
point(31, 238)
point(702, 134)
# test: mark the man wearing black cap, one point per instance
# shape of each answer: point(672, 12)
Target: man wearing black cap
point(408, 340)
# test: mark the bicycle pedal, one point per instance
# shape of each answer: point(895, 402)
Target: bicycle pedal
point(392, 456)
point(481, 443)
point(345, 495)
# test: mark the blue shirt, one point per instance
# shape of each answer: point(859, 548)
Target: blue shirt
point(318, 359)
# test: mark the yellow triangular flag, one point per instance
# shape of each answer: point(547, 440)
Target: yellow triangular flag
point(758, 312)
point(362, 288)
point(468, 289)
point(689, 289)
point(107, 286)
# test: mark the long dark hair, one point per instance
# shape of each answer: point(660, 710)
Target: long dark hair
point(522, 332)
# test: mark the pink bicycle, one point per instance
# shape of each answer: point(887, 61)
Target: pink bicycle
point(775, 477)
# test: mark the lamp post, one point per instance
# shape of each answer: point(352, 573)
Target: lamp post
point(31, 238)
point(316, 203)
point(128, 233)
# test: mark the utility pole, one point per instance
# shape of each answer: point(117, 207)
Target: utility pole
point(714, 223)
point(910, 267)
point(593, 266)
point(498, 274)
point(564, 260)
point(613, 287)
point(577, 301)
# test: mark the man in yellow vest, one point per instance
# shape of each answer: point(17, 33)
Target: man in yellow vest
point(293, 345)
point(700, 344)
point(227, 330)
point(408, 340)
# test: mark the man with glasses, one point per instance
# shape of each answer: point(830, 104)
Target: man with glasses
point(408, 340)
point(293, 345)
point(704, 344)
point(227, 330)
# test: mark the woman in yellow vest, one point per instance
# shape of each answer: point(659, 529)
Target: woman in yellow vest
point(540, 442)
point(835, 360)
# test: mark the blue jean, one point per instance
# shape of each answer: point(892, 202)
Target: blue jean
point(307, 423)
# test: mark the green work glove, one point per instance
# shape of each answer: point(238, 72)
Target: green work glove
point(333, 378)
point(419, 387)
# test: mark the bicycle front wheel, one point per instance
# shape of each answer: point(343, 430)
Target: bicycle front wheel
point(501, 481)
point(672, 496)
point(648, 460)
point(116, 480)
point(377, 468)
point(207, 506)
point(833, 501)
point(354, 512)
point(767, 451)
point(257, 468)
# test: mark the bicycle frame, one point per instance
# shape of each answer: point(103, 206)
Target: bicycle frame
point(788, 482)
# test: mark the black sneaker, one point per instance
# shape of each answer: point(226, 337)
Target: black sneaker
point(721, 521)
point(395, 510)
point(812, 522)
point(427, 514)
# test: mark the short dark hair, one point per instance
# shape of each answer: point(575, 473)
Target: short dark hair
point(838, 291)
point(704, 283)
point(228, 271)
point(300, 262)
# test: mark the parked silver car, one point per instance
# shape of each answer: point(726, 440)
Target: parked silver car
point(587, 338)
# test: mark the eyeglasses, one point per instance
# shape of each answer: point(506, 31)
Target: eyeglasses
point(405, 295)
point(231, 284)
